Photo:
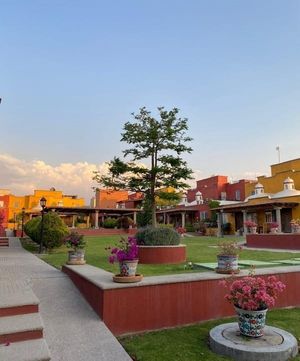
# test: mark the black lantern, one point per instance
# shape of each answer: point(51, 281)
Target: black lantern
point(43, 202)
point(22, 229)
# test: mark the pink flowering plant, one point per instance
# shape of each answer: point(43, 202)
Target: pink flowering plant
point(125, 250)
point(75, 240)
point(250, 224)
point(253, 293)
point(273, 224)
point(230, 248)
point(181, 230)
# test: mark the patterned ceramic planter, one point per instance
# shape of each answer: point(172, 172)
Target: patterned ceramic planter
point(251, 323)
point(76, 257)
point(128, 268)
point(227, 264)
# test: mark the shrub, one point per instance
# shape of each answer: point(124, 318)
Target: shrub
point(54, 230)
point(168, 225)
point(124, 222)
point(189, 227)
point(157, 236)
point(110, 223)
point(32, 230)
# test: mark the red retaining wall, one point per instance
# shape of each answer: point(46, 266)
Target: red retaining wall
point(162, 254)
point(151, 306)
point(279, 240)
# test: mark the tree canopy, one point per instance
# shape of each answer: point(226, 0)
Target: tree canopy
point(161, 143)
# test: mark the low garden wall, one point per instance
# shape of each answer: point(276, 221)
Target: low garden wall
point(278, 240)
point(167, 301)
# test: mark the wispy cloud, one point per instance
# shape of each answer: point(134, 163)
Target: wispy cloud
point(22, 177)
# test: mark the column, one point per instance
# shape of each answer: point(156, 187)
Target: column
point(168, 218)
point(183, 219)
point(278, 218)
point(88, 221)
point(164, 214)
point(134, 218)
point(96, 220)
point(244, 220)
point(73, 220)
point(219, 234)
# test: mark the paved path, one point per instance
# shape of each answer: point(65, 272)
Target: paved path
point(72, 330)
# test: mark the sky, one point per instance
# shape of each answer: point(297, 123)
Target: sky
point(73, 71)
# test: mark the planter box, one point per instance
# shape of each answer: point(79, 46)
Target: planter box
point(162, 254)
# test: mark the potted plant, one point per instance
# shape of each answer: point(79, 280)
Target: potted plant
point(295, 224)
point(181, 231)
point(273, 227)
point(77, 242)
point(228, 257)
point(251, 226)
point(126, 254)
point(251, 297)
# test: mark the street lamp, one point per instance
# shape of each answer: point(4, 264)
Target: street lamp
point(23, 215)
point(43, 202)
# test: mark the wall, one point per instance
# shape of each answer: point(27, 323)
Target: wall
point(109, 198)
point(278, 241)
point(156, 303)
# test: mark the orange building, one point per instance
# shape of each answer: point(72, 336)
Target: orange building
point(109, 198)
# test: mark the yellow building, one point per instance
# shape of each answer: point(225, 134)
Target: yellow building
point(31, 204)
point(272, 199)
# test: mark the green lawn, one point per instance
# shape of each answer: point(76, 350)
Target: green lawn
point(191, 343)
point(199, 249)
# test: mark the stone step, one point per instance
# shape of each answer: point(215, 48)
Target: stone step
point(20, 328)
point(17, 298)
point(33, 350)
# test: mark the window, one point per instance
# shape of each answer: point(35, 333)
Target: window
point(203, 215)
point(238, 195)
point(223, 196)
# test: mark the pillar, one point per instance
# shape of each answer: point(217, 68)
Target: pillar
point(96, 220)
point(219, 222)
point(134, 218)
point(244, 220)
point(73, 220)
point(278, 218)
point(183, 219)
point(88, 221)
point(164, 214)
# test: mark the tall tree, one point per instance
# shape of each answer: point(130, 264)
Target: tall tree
point(161, 143)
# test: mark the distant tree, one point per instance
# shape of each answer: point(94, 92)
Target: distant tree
point(161, 142)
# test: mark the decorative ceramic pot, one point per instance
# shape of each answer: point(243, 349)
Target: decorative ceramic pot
point(128, 268)
point(227, 264)
point(76, 257)
point(295, 228)
point(274, 230)
point(251, 323)
point(253, 230)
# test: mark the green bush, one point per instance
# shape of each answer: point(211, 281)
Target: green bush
point(157, 236)
point(54, 230)
point(110, 223)
point(124, 222)
point(31, 229)
point(189, 227)
point(168, 225)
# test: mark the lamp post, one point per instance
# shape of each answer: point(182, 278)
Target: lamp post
point(22, 229)
point(43, 202)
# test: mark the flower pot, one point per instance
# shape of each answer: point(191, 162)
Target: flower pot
point(227, 264)
point(128, 268)
point(274, 230)
point(253, 230)
point(295, 228)
point(251, 323)
point(76, 257)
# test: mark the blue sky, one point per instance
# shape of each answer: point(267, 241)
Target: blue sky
point(73, 71)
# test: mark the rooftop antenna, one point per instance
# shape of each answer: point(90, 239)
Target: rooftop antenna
point(278, 150)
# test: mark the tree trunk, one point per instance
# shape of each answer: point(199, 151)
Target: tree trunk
point(153, 208)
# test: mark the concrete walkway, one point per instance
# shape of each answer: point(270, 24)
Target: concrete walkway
point(72, 330)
